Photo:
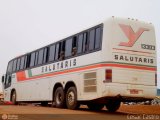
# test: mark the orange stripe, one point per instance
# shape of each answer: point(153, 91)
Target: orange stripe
point(23, 78)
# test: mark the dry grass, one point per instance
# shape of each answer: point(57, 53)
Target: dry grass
point(140, 109)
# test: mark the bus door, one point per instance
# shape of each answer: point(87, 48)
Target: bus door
point(6, 82)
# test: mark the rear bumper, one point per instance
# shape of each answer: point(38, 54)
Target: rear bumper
point(129, 92)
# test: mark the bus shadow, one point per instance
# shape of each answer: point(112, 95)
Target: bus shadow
point(103, 111)
point(84, 108)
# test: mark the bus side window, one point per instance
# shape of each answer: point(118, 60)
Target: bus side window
point(85, 42)
point(80, 44)
point(91, 39)
point(28, 59)
point(57, 51)
point(68, 49)
point(9, 68)
point(98, 38)
point(74, 46)
point(45, 56)
point(40, 56)
point(25, 61)
point(14, 65)
point(62, 50)
point(22, 62)
point(36, 58)
point(32, 59)
point(18, 64)
point(52, 53)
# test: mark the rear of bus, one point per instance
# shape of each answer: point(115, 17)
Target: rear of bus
point(129, 52)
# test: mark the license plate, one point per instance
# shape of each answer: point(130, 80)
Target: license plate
point(134, 91)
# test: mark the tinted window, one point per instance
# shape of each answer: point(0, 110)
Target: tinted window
point(22, 62)
point(88, 41)
point(9, 68)
point(40, 56)
point(28, 60)
point(57, 51)
point(14, 65)
point(98, 38)
point(80, 43)
point(25, 61)
point(36, 59)
point(68, 50)
point(63, 46)
point(74, 42)
point(18, 63)
point(45, 55)
point(51, 53)
point(85, 42)
point(91, 39)
point(74, 46)
point(61, 51)
point(32, 59)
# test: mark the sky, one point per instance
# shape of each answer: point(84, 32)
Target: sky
point(26, 25)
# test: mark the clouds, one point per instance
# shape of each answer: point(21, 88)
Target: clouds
point(31, 24)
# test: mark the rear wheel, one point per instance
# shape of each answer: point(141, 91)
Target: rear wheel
point(94, 106)
point(113, 105)
point(59, 98)
point(71, 98)
point(14, 98)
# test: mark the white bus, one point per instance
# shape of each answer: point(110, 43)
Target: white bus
point(104, 65)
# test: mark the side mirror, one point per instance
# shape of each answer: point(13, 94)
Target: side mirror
point(3, 79)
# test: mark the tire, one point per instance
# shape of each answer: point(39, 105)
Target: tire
point(95, 106)
point(44, 103)
point(71, 99)
point(59, 98)
point(13, 98)
point(113, 105)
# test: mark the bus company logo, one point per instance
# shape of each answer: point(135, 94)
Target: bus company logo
point(131, 35)
point(4, 117)
point(9, 117)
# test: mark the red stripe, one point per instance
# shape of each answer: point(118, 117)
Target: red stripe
point(132, 50)
point(131, 66)
point(89, 67)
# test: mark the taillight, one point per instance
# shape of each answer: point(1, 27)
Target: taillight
point(155, 79)
point(108, 75)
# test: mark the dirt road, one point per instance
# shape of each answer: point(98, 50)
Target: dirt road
point(126, 112)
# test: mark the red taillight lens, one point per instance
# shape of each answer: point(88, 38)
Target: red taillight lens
point(108, 75)
point(155, 79)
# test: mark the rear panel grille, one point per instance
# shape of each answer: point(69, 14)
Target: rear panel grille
point(90, 75)
point(90, 83)
point(90, 89)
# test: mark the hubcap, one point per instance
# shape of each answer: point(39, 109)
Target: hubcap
point(59, 98)
point(13, 97)
point(71, 98)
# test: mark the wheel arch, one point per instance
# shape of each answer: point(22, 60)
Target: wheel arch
point(69, 84)
point(55, 87)
point(12, 91)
